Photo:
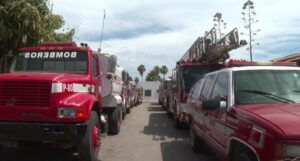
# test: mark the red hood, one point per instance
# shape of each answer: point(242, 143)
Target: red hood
point(285, 116)
point(52, 77)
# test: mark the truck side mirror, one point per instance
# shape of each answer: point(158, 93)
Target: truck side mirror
point(214, 104)
point(109, 76)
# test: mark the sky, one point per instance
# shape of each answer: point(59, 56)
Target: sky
point(159, 32)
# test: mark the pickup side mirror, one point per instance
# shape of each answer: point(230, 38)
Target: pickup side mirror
point(109, 76)
point(214, 104)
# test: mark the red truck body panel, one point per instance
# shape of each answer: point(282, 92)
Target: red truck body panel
point(265, 129)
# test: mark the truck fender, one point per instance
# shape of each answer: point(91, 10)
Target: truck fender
point(111, 101)
point(81, 100)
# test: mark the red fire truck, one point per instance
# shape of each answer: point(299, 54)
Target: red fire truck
point(52, 94)
point(206, 54)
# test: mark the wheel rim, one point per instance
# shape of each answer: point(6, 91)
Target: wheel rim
point(96, 139)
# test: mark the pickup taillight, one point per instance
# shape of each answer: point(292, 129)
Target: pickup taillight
point(183, 96)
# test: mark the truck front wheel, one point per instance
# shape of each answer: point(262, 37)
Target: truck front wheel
point(178, 125)
point(114, 122)
point(88, 148)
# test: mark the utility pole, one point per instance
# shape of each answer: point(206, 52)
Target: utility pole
point(219, 22)
point(249, 19)
point(99, 50)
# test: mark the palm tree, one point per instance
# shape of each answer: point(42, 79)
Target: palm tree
point(156, 69)
point(164, 70)
point(141, 68)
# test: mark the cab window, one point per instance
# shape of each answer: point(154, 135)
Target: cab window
point(220, 89)
point(207, 84)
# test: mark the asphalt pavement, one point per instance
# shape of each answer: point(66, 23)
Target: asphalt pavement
point(147, 134)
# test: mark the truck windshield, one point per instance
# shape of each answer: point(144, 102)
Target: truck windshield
point(266, 86)
point(191, 74)
point(51, 61)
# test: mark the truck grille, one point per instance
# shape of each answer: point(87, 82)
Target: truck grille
point(33, 94)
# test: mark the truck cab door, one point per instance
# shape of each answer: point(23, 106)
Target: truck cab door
point(215, 119)
point(96, 77)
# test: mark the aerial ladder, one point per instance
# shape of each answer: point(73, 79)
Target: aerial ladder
point(209, 49)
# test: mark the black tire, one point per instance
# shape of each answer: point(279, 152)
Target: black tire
point(169, 113)
point(124, 112)
point(242, 157)
point(88, 148)
point(127, 108)
point(195, 142)
point(114, 121)
point(177, 124)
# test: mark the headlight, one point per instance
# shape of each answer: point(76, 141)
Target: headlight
point(66, 113)
point(293, 150)
point(284, 150)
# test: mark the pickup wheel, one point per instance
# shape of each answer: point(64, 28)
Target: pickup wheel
point(195, 141)
point(88, 148)
point(242, 157)
point(114, 121)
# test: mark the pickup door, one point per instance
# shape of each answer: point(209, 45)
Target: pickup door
point(194, 106)
point(215, 120)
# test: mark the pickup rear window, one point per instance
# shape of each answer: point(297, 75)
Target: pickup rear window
point(266, 86)
point(51, 61)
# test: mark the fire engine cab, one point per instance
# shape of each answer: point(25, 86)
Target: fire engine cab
point(52, 95)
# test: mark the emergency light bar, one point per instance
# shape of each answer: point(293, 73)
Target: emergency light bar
point(233, 62)
point(58, 44)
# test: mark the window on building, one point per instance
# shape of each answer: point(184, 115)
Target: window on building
point(148, 93)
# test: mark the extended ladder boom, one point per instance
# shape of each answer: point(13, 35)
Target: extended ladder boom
point(208, 49)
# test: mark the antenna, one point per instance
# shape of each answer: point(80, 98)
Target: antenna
point(99, 50)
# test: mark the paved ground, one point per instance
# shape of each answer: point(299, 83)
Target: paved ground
point(147, 134)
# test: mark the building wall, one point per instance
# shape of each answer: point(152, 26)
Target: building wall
point(150, 88)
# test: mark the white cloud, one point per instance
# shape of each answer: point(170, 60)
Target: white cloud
point(158, 32)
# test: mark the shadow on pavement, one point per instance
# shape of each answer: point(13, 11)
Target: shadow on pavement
point(162, 128)
point(155, 108)
point(36, 154)
point(155, 104)
point(180, 150)
point(174, 143)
